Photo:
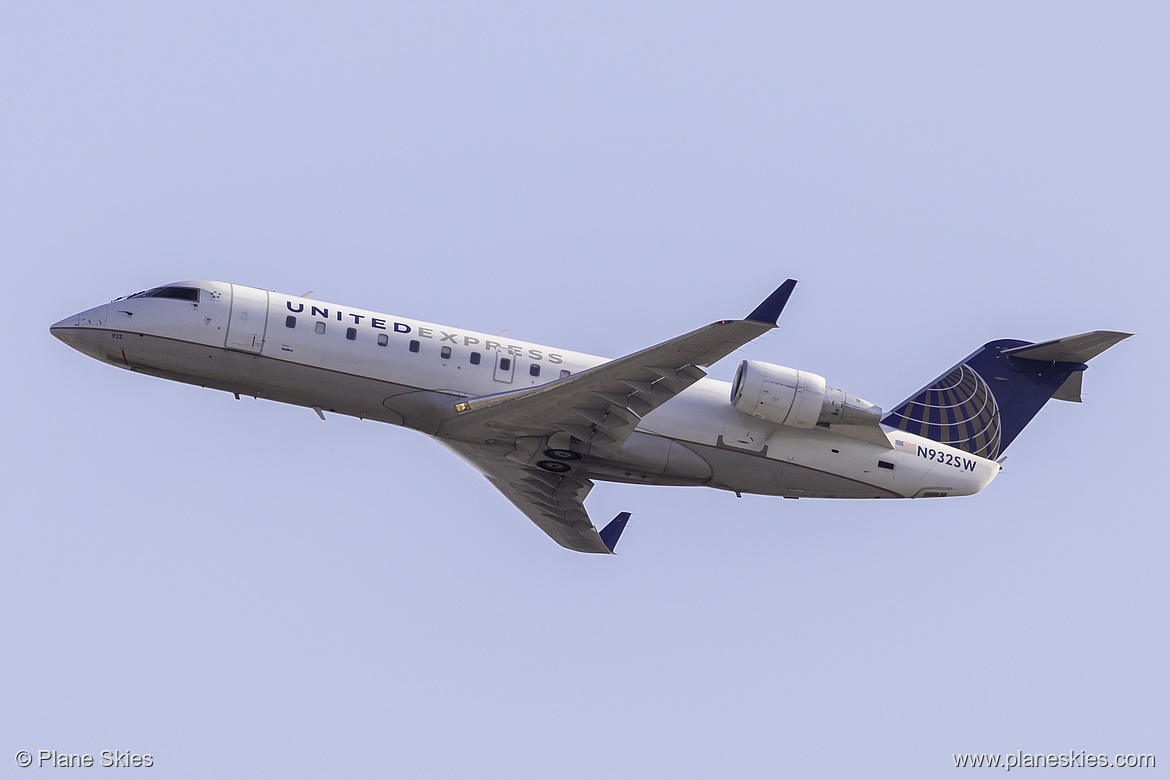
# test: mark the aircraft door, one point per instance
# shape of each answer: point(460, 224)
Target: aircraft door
point(249, 319)
point(505, 367)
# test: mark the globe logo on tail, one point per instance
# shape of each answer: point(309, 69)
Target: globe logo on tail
point(958, 410)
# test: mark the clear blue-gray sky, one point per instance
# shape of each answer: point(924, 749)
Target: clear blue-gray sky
point(239, 589)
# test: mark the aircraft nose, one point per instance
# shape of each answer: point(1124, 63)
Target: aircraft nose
point(81, 328)
point(62, 328)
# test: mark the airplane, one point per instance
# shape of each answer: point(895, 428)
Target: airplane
point(543, 424)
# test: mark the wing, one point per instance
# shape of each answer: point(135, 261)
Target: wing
point(592, 411)
point(555, 502)
point(599, 408)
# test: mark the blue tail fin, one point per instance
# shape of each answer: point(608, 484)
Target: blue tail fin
point(613, 530)
point(983, 403)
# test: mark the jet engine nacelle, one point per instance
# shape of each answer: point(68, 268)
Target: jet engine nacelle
point(796, 398)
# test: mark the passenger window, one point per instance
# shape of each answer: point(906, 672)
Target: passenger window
point(383, 339)
point(414, 345)
point(290, 321)
point(319, 327)
point(445, 353)
point(534, 369)
point(351, 334)
point(505, 364)
point(564, 373)
point(475, 358)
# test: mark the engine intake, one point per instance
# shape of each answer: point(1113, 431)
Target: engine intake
point(799, 399)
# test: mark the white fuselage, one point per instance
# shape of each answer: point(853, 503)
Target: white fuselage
point(406, 372)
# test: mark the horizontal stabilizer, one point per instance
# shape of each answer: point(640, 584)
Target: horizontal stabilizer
point(1070, 349)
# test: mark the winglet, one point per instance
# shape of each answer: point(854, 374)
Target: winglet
point(769, 310)
point(613, 531)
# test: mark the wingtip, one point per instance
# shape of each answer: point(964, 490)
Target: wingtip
point(769, 311)
point(613, 530)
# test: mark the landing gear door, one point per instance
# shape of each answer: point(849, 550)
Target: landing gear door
point(249, 319)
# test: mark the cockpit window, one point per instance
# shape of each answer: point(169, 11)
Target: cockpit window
point(178, 293)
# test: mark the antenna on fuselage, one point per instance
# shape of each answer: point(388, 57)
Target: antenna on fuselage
point(309, 294)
